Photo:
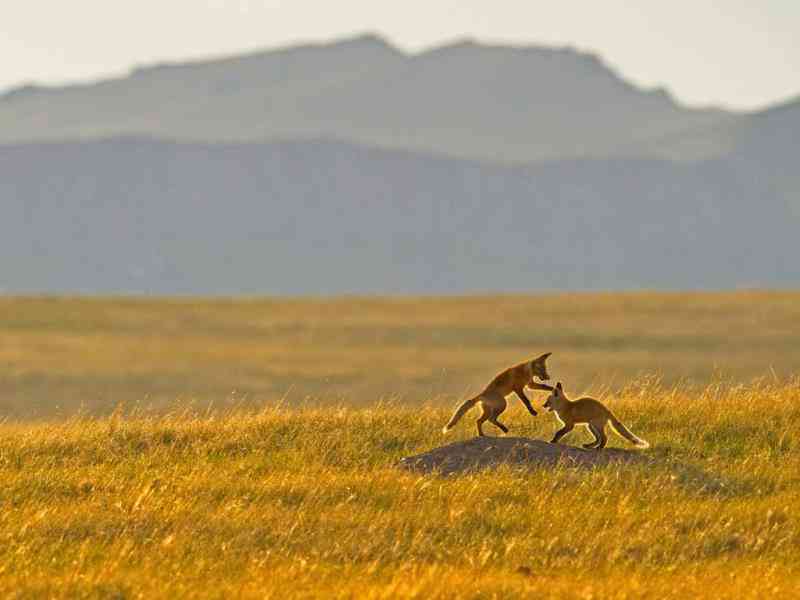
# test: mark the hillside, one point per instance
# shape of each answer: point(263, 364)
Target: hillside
point(465, 99)
point(143, 216)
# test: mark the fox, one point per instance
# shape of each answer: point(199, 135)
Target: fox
point(493, 397)
point(591, 412)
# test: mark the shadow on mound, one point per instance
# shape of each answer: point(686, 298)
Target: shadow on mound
point(489, 452)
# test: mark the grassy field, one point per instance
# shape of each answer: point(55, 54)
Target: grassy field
point(308, 503)
point(134, 488)
point(61, 356)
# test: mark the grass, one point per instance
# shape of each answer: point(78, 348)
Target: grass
point(301, 498)
point(59, 356)
point(292, 503)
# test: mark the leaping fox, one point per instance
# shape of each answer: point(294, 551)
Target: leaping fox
point(493, 398)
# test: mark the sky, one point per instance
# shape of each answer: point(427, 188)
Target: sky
point(742, 54)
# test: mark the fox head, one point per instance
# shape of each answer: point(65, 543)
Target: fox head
point(539, 368)
point(555, 399)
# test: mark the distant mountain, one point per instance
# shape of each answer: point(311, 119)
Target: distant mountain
point(353, 167)
point(772, 135)
point(467, 100)
point(147, 216)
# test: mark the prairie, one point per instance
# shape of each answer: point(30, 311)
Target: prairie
point(59, 356)
point(130, 468)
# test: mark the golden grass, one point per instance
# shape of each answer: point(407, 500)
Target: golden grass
point(118, 481)
point(294, 503)
point(58, 356)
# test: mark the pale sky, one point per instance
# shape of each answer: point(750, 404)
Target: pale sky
point(735, 53)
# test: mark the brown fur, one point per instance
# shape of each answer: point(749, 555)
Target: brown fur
point(590, 412)
point(493, 398)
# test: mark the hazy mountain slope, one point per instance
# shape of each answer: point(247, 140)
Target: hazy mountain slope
point(315, 217)
point(502, 104)
point(772, 135)
point(768, 148)
point(462, 100)
point(765, 136)
point(230, 98)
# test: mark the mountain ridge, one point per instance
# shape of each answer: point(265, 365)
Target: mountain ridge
point(463, 99)
point(361, 169)
point(372, 41)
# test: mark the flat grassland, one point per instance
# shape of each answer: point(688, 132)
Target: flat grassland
point(60, 355)
point(130, 468)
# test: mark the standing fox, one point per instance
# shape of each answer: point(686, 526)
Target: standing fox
point(591, 412)
point(493, 398)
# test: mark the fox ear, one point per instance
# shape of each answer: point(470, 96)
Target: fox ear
point(543, 357)
point(558, 387)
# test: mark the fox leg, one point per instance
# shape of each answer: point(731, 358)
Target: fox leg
point(601, 443)
point(521, 395)
point(493, 405)
point(561, 433)
point(597, 437)
point(494, 421)
point(502, 427)
point(484, 415)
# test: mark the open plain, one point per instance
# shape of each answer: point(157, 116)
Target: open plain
point(250, 448)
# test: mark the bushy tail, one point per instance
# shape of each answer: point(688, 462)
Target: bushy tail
point(627, 434)
point(460, 413)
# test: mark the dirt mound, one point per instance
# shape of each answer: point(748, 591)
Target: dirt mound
point(487, 452)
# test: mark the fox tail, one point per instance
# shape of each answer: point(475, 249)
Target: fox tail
point(627, 434)
point(460, 413)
